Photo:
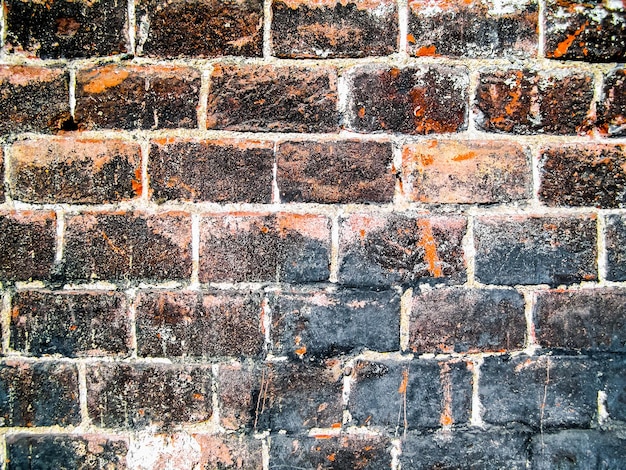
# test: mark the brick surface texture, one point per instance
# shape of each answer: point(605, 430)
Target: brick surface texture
point(326, 234)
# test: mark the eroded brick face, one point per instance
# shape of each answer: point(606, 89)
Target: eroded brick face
point(612, 108)
point(616, 247)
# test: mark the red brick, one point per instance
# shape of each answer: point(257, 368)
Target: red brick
point(229, 451)
point(75, 171)
point(335, 172)
point(466, 172)
point(612, 107)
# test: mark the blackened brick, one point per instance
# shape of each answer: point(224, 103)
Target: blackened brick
point(137, 395)
point(130, 246)
point(333, 28)
point(388, 248)
point(134, 97)
point(535, 250)
point(70, 323)
point(264, 247)
point(612, 107)
point(616, 247)
point(412, 100)
point(228, 451)
point(65, 28)
point(527, 102)
point(200, 28)
point(194, 324)
point(75, 171)
point(613, 383)
point(351, 171)
point(211, 170)
point(241, 387)
point(314, 324)
point(38, 394)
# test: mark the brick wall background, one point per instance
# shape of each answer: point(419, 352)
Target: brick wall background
point(313, 234)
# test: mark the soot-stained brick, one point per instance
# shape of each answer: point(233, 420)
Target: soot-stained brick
point(390, 248)
point(355, 28)
point(256, 247)
point(200, 28)
point(228, 451)
point(351, 171)
point(70, 323)
point(33, 99)
point(241, 386)
point(466, 172)
point(267, 98)
point(590, 31)
point(137, 395)
point(616, 247)
point(194, 324)
point(473, 29)
point(323, 324)
point(211, 170)
point(128, 246)
point(422, 100)
point(535, 250)
point(611, 119)
point(136, 97)
point(65, 28)
point(75, 171)
point(38, 394)
point(613, 383)
point(524, 101)
point(578, 175)
point(27, 245)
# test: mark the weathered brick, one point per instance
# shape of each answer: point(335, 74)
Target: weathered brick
point(322, 324)
point(522, 101)
point(38, 394)
point(613, 383)
point(264, 247)
point(385, 249)
point(70, 323)
point(128, 246)
point(65, 28)
point(240, 390)
point(81, 452)
point(473, 28)
point(616, 247)
point(466, 172)
point(611, 118)
point(535, 250)
point(211, 170)
point(228, 451)
point(136, 395)
point(590, 31)
point(74, 171)
point(426, 100)
point(2, 198)
point(350, 171)
point(334, 28)
point(198, 324)
point(33, 99)
point(27, 245)
point(200, 28)
point(271, 98)
point(135, 97)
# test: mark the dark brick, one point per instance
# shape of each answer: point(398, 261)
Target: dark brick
point(422, 100)
point(386, 249)
point(589, 175)
point(66, 28)
point(75, 171)
point(270, 98)
point(350, 171)
point(612, 107)
point(264, 247)
point(593, 31)
point(535, 250)
point(333, 28)
point(2, 198)
point(211, 170)
point(27, 245)
point(33, 99)
point(613, 382)
point(137, 395)
point(474, 172)
point(64, 451)
point(240, 388)
point(70, 323)
point(228, 451)
point(38, 394)
point(195, 324)
point(616, 247)
point(322, 324)
point(128, 246)
point(135, 97)
point(200, 28)
point(527, 102)
point(474, 28)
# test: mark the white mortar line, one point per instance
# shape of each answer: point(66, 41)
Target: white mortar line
point(60, 235)
point(406, 304)
point(403, 28)
point(469, 251)
point(530, 301)
point(535, 161)
point(195, 251)
point(6, 177)
point(144, 154)
point(601, 247)
point(72, 91)
point(275, 188)
point(476, 417)
point(541, 25)
point(6, 321)
point(267, 29)
point(131, 26)
point(3, 29)
point(203, 99)
point(334, 247)
point(131, 295)
point(82, 394)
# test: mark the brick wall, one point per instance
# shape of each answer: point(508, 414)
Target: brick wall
point(329, 234)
